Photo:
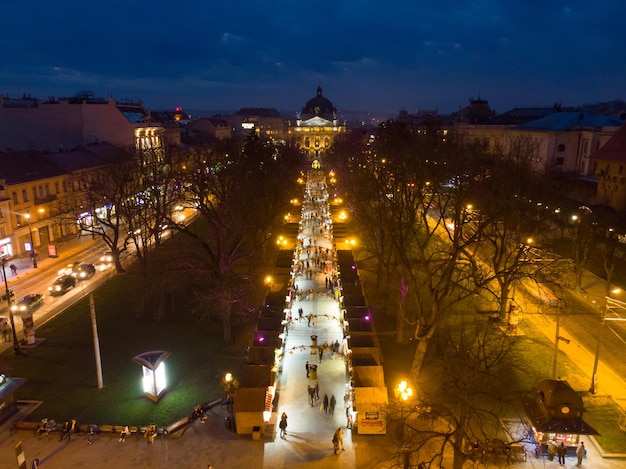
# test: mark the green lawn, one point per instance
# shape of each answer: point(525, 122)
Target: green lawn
point(61, 372)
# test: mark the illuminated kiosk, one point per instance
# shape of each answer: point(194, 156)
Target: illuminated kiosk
point(8, 386)
point(153, 368)
point(555, 411)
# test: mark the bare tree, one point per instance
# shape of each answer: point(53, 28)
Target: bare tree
point(239, 194)
point(97, 197)
point(466, 395)
point(585, 237)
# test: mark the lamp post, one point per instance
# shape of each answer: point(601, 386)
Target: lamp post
point(403, 393)
point(609, 304)
point(32, 244)
point(16, 345)
point(230, 385)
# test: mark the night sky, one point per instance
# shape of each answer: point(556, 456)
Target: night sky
point(380, 56)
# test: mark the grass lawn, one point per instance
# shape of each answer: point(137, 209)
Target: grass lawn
point(61, 372)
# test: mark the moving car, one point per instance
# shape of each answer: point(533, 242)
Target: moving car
point(62, 285)
point(83, 271)
point(80, 270)
point(28, 303)
point(107, 257)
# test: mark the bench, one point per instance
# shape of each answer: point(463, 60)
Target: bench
point(106, 429)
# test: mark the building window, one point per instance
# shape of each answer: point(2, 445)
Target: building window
point(41, 192)
point(18, 220)
point(56, 187)
point(3, 232)
point(561, 148)
point(47, 189)
point(25, 195)
point(1, 215)
point(15, 198)
point(559, 161)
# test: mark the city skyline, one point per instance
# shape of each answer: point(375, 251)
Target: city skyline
point(408, 55)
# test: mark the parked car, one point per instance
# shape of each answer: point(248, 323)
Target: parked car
point(62, 285)
point(28, 303)
point(83, 271)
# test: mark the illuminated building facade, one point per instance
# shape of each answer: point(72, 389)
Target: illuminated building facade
point(317, 126)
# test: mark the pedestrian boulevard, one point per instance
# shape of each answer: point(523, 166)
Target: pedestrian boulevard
point(315, 321)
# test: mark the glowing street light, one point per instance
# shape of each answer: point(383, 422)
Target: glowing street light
point(32, 244)
point(403, 393)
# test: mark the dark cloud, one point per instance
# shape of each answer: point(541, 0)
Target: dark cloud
point(366, 54)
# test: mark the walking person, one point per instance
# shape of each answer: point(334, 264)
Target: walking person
point(6, 331)
point(317, 390)
point(325, 403)
point(72, 429)
point(339, 437)
point(580, 454)
point(308, 368)
point(348, 418)
point(64, 429)
point(283, 426)
point(91, 435)
point(331, 405)
point(311, 392)
point(561, 451)
point(552, 447)
point(13, 268)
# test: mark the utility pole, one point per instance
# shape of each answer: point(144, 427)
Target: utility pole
point(96, 341)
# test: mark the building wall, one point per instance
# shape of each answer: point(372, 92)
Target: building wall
point(611, 188)
point(59, 125)
point(550, 150)
point(43, 210)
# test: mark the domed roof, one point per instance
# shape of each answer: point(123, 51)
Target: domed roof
point(319, 105)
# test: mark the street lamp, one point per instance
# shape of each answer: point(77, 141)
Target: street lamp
point(403, 393)
point(229, 385)
point(32, 244)
point(16, 345)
